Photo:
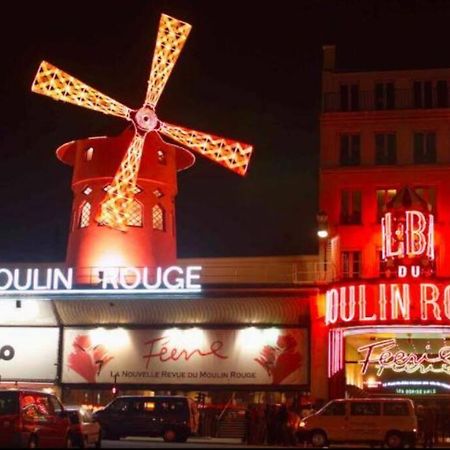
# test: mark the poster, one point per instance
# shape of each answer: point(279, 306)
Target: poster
point(253, 356)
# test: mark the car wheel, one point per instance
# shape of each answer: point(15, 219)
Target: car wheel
point(394, 440)
point(110, 435)
point(181, 437)
point(169, 435)
point(319, 439)
point(33, 442)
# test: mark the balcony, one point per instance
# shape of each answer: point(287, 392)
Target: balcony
point(368, 101)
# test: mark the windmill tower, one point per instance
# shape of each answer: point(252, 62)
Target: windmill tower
point(124, 187)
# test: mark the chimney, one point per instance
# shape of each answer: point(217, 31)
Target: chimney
point(329, 57)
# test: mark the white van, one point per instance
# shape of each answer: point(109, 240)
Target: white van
point(390, 421)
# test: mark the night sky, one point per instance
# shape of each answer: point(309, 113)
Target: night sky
point(250, 70)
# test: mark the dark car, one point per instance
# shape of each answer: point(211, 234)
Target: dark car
point(84, 430)
point(31, 419)
point(173, 418)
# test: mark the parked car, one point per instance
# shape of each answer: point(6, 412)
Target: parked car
point(84, 430)
point(173, 418)
point(389, 421)
point(30, 419)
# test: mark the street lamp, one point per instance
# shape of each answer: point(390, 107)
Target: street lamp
point(323, 233)
point(322, 222)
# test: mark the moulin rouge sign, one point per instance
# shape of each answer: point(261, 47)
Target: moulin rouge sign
point(117, 280)
point(408, 258)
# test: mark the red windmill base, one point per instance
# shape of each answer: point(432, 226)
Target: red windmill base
point(150, 239)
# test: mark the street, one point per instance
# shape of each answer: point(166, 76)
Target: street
point(159, 443)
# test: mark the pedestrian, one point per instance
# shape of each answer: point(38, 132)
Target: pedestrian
point(429, 427)
point(271, 420)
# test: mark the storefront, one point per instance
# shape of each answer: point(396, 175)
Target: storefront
point(233, 345)
point(391, 335)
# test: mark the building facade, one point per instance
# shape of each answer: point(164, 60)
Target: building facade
point(370, 314)
point(384, 185)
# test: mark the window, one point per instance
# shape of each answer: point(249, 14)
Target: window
point(384, 196)
point(350, 207)
point(87, 190)
point(57, 407)
point(85, 215)
point(135, 219)
point(173, 406)
point(9, 403)
point(365, 408)
point(349, 97)
point(351, 265)
point(119, 406)
point(425, 148)
point(334, 409)
point(88, 154)
point(350, 152)
point(158, 218)
point(161, 156)
point(384, 96)
point(441, 94)
point(429, 195)
point(36, 407)
point(385, 149)
point(423, 94)
point(395, 409)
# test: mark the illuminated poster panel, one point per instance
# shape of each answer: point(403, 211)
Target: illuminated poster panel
point(28, 353)
point(249, 356)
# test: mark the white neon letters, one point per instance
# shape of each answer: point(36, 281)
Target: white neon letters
point(388, 302)
point(409, 238)
point(127, 278)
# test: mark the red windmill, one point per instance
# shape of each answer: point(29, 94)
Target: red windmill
point(128, 183)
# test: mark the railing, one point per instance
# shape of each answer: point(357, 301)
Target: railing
point(295, 273)
point(303, 270)
point(368, 101)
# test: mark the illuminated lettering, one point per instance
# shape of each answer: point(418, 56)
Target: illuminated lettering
point(402, 271)
point(429, 295)
point(415, 233)
point(332, 310)
point(348, 304)
point(110, 279)
point(402, 361)
point(362, 306)
point(6, 279)
point(388, 238)
point(400, 301)
point(447, 302)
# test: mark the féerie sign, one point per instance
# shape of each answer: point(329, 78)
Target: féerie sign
point(53, 280)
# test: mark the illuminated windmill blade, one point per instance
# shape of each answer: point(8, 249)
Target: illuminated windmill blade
point(115, 209)
point(59, 85)
point(230, 154)
point(172, 35)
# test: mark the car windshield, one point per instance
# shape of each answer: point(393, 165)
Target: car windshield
point(9, 403)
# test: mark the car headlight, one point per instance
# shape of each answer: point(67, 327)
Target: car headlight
point(302, 424)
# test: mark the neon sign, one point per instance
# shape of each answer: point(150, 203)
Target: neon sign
point(383, 356)
point(407, 243)
point(388, 303)
point(116, 280)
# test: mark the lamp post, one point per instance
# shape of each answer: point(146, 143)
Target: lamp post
point(323, 233)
